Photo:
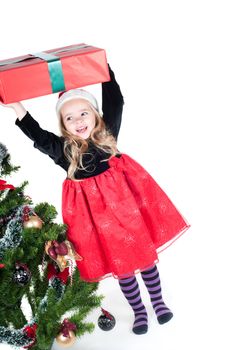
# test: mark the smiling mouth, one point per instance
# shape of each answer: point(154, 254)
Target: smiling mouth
point(81, 130)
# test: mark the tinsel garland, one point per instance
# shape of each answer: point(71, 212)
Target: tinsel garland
point(5, 167)
point(19, 337)
point(56, 284)
point(3, 152)
point(12, 237)
point(15, 337)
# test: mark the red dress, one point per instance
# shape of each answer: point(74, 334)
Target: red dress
point(119, 220)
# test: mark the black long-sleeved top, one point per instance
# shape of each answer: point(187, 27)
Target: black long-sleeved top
point(53, 145)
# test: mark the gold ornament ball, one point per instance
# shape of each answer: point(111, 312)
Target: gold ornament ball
point(65, 342)
point(33, 222)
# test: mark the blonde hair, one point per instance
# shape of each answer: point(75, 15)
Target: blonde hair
point(75, 147)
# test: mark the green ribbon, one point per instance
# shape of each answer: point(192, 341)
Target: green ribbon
point(54, 65)
point(55, 70)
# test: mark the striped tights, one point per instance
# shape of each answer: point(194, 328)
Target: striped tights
point(130, 289)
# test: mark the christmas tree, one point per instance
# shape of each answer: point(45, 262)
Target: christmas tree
point(37, 264)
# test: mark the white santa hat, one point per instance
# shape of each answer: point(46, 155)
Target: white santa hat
point(75, 94)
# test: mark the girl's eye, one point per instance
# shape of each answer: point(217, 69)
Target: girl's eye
point(69, 118)
point(84, 114)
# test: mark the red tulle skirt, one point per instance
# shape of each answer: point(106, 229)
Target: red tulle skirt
point(119, 220)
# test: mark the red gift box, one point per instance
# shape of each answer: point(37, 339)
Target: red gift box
point(44, 73)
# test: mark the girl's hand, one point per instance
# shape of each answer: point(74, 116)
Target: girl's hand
point(14, 105)
point(17, 107)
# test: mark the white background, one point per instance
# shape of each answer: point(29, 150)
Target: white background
point(173, 61)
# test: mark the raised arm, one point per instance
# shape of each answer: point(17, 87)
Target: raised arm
point(112, 104)
point(45, 141)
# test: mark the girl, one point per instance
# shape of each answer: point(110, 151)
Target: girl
point(118, 217)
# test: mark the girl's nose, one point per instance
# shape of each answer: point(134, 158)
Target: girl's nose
point(79, 120)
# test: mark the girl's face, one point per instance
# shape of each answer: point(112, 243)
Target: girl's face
point(78, 118)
